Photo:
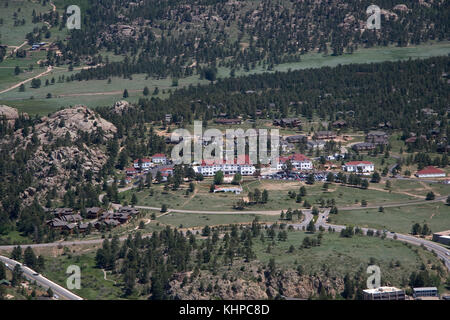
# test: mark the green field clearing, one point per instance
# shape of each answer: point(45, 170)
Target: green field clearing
point(420, 188)
point(400, 219)
point(81, 92)
point(24, 9)
point(339, 255)
point(203, 200)
point(93, 284)
point(188, 220)
point(13, 237)
point(362, 55)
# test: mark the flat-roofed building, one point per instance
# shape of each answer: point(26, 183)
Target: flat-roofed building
point(363, 146)
point(442, 237)
point(359, 166)
point(384, 293)
point(425, 292)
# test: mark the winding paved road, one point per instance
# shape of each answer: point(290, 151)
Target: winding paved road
point(32, 275)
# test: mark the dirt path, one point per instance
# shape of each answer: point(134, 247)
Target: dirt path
point(105, 93)
point(49, 69)
point(104, 277)
point(56, 70)
point(15, 49)
point(429, 188)
point(398, 192)
point(191, 197)
point(147, 221)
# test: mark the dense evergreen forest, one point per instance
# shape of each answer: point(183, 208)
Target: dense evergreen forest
point(365, 95)
point(179, 38)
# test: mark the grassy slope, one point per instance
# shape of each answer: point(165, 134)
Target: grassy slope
point(401, 219)
point(278, 196)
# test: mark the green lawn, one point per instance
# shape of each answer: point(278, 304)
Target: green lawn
point(278, 196)
point(188, 220)
point(400, 219)
point(93, 285)
point(339, 256)
point(416, 187)
point(24, 9)
point(14, 237)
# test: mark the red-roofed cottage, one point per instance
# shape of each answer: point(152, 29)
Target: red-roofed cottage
point(430, 172)
point(159, 158)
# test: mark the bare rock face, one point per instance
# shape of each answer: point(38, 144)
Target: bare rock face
point(401, 7)
point(388, 15)
point(121, 106)
point(254, 284)
point(10, 114)
point(72, 120)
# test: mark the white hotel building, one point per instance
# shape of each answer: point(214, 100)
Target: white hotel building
point(210, 169)
point(359, 166)
point(298, 161)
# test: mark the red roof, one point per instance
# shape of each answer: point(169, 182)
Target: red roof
point(143, 160)
point(159, 155)
point(166, 169)
point(294, 157)
point(130, 169)
point(430, 170)
point(299, 157)
point(355, 163)
point(411, 140)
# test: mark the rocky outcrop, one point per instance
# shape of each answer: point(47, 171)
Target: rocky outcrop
point(256, 284)
point(72, 120)
point(62, 150)
point(121, 106)
point(401, 7)
point(10, 114)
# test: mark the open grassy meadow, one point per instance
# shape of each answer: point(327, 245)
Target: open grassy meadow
point(95, 93)
point(93, 283)
point(203, 200)
point(337, 256)
point(400, 219)
point(189, 220)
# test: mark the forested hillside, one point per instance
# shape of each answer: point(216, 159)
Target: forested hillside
point(179, 38)
point(364, 95)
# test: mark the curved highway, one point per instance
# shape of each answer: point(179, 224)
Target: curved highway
point(58, 291)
